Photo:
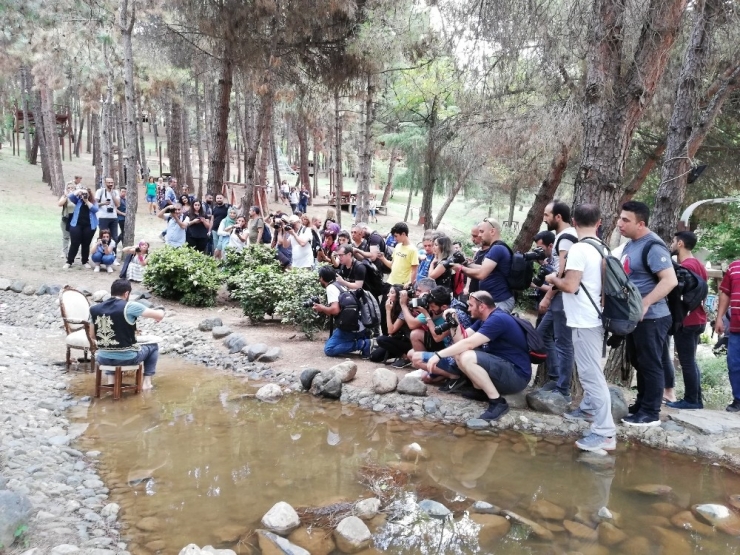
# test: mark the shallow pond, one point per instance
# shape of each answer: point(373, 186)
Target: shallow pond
point(198, 460)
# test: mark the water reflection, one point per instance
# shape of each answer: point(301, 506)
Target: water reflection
point(207, 460)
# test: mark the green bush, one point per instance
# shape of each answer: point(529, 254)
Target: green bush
point(236, 263)
point(299, 286)
point(258, 290)
point(183, 274)
point(715, 382)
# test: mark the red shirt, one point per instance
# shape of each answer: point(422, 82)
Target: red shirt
point(731, 286)
point(696, 317)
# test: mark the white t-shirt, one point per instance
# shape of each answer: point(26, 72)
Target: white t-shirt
point(302, 256)
point(332, 294)
point(563, 245)
point(579, 311)
point(102, 195)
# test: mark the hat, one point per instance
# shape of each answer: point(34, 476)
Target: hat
point(293, 219)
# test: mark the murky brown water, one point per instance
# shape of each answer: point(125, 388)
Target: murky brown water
point(197, 461)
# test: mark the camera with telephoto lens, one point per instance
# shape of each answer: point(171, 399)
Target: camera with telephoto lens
point(449, 323)
point(422, 301)
point(454, 258)
point(536, 254)
point(84, 195)
point(544, 271)
point(280, 222)
point(310, 302)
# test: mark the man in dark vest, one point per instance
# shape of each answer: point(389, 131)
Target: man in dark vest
point(115, 331)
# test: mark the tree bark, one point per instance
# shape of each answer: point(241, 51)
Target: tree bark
point(174, 142)
point(78, 142)
point(185, 149)
point(616, 99)
point(199, 136)
point(105, 123)
point(366, 154)
point(302, 131)
point(97, 158)
point(121, 147)
point(56, 174)
point(142, 146)
point(217, 157)
point(88, 147)
point(542, 198)
point(316, 148)
point(126, 20)
point(275, 167)
point(26, 84)
point(41, 135)
point(389, 182)
point(338, 155)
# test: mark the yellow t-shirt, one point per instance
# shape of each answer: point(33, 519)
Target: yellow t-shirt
point(404, 258)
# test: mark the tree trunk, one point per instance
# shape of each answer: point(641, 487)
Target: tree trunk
point(185, 149)
point(56, 174)
point(461, 179)
point(88, 148)
point(366, 154)
point(302, 130)
point(217, 157)
point(142, 143)
point(41, 135)
point(126, 25)
point(97, 158)
point(105, 124)
point(316, 147)
point(27, 85)
point(338, 155)
point(275, 167)
point(174, 142)
point(121, 147)
point(544, 196)
point(389, 182)
point(33, 158)
point(513, 193)
point(430, 169)
point(412, 186)
point(616, 98)
point(199, 137)
point(78, 142)
point(156, 136)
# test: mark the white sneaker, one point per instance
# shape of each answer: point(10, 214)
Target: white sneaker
point(66, 267)
point(110, 270)
point(96, 268)
point(87, 265)
point(116, 263)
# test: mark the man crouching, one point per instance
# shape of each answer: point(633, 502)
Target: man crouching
point(493, 353)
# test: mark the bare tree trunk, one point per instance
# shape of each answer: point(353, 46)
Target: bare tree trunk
point(41, 135)
point(88, 148)
point(366, 154)
point(338, 155)
point(26, 84)
point(34, 150)
point(52, 143)
point(316, 146)
point(275, 167)
point(78, 142)
point(174, 142)
point(303, 153)
point(142, 143)
point(126, 24)
point(155, 117)
point(105, 123)
point(97, 158)
point(389, 182)
point(185, 149)
point(430, 170)
point(217, 156)
point(412, 186)
point(121, 147)
point(199, 137)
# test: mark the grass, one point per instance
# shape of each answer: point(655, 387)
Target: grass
point(715, 383)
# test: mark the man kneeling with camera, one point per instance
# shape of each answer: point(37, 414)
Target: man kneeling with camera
point(348, 333)
point(492, 353)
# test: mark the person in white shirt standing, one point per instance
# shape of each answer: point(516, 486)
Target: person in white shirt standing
point(583, 271)
point(108, 202)
point(298, 238)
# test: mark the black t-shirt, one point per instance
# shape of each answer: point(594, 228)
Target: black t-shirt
point(445, 280)
point(375, 239)
point(196, 231)
point(477, 259)
point(219, 213)
point(83, 217)
point(356, 272)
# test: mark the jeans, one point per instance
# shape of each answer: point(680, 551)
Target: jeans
point(686, 340)
point(344, 342)
point(587, 343)
point(79, 237)
point(507, 305)
point(65, 238)
point(563, 345)
point(100, 258)
point(148, 354)
point(546, 331)
point(110, 224)
point(648, 341)
point(666, 361)
point(733, 364)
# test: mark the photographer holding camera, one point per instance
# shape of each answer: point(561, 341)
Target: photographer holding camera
point(545, 241)
point(82, 226)
point(108, 201)
point(177, 224)
point(239, 235)
point(104, 251)
point(298, 237)
point(348, 334)
point(440, 269)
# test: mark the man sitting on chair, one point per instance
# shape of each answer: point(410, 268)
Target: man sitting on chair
point(115, 332)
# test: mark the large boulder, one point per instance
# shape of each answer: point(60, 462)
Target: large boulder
point(619, 405)
point(307, 377)
point(235, 343)
point(316, 541)
point(412, 386)
point(209, 323)
point(272, 544)
point(345, 371)
point(327, 384)
point(255, 351)
point(219, 332)
point(15, 509)
point(281, 519)
point(544, 401)
point(384, 380)
point(352, 535)
point(270, 393)
point(366, 509)
point(271, 355)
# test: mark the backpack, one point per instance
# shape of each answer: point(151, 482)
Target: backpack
point(266, 235)
point(622, 302)
point(348, 318)
point(688, 294)
point(373, 282)
point(521, 271)
point(458, 283)
point(572, 238)
point(369, 311)
point(535, 344)
point(315, 242)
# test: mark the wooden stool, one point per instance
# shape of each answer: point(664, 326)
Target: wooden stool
point(118, 387)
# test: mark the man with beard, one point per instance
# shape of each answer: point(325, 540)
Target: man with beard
point(553, 327)
point(220, 211)
point(480, 254)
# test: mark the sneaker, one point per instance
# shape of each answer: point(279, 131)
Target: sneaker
point(595, 442)
point(66, 267)
point(96, 268)
point(87, 265)
point(495, 410)
point(549, 386)
point(684, 404)
point(641, 420)
point(734, 407)
point(401, 362)
point(633, 409)
point(115, 263)
point(454, 386)
point(578, 414)
point(110, 270)
point(475, 394)
point(555, 392)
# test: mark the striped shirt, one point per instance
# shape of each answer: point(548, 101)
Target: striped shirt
point(731, 286)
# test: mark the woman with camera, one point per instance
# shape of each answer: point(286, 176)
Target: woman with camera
point(198, 227)
point(239, 235)
point(104, 253)
point(177, 223)
point(68, 208)
point(224, 229)
point(439, 270)
point(134, 268)
point(82, 226)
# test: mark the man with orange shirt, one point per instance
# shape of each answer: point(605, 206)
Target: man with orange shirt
point(729, 297)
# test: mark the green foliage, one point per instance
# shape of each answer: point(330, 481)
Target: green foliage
point(722, 238)
point(258, 290)
point(715, 382)
point(299, 286)
point(184, 275)
point(236, 263)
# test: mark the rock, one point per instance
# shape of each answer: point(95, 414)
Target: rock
point(609, 534)
point(272, 544)
point(366, 509)
point(5, 284)
point(29, 290)
point(15, 510)
point(672, 542)
point(685, 520)
point(384, 381)
point(270, 393)
point(209, 323)
point(638, 545)
point(326, 384)
point(235, 343)
point(229, 534)
point(414, 452)
point(156, 545)
point(352, 535)
point(271, 355)
point(190, 549)
point(708, 422)
point(478, 424)
point(42, 290)
point(720, 516)
point(412, 386)
point(543, 401)
point(315, 541)
point(493, 527)
point(17, 286)
point(64, 549)
point(619, 405)
point(434, 508)
point(538, 530)
point(281, 519)
point(111, 509)
point(664, 509)
point(213, 551)
point(544, 509)
point(734, 501)
point(150, 524)
point(345, 371)
point(485, 508)
point(100, 295)
point(219, 332)
point(255, 351)
point(307, 377)
point(580, 531)
point(652, 489)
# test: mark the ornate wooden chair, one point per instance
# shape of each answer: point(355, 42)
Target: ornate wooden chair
point(76, 317)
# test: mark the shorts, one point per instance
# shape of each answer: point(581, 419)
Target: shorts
point(151, 198)
point(447, 364)
point(504, 375)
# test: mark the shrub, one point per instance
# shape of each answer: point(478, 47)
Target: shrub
point(183, 274)
point(258, 290)
point(298, 286)
point(715, 382)
point(236, 263)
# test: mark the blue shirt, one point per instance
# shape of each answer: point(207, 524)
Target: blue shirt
point(132, 312)
point(505, 340)
point(78, 204)
point(495, 283)
point(122, 208)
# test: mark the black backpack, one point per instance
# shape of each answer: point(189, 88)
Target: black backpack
point(266, 234)
point(535, 344)
point(521, 271)
point(348, 318)
point(373, 282)
point(688, 295)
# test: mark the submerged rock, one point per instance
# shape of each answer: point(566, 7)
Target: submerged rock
point(493, 527)
point(366, 509)
point(316, 541)
point(272, 544)
point(672, 542)
point(352, 535)
point(536, 529)
point(281, 519)
point(652, 489)
point(414, 452)
point(434, 508)
point(685, 520)
point(610, 535)
point(270, 393)
point(229, 534)
point(384, 381)
point(720, 516)
point(580, 531)
point(544, 509)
